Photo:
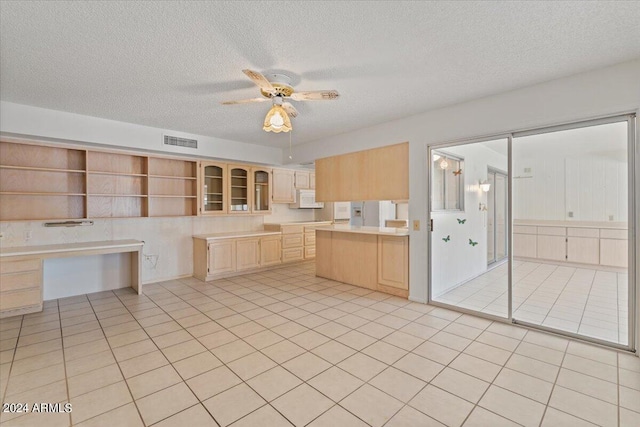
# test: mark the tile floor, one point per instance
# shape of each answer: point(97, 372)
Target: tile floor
point(580, 300)
point(283, 348)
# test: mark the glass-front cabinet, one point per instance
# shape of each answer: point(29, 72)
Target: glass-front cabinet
point(240, 183)
point(213, 194)
point(261, 190)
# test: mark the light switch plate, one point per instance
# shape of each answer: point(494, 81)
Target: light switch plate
point(416, 225)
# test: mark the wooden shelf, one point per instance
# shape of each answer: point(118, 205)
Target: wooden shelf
point(238, 186)
point(115, 173)
point(116, 195)
point(169, 196)
point(173, 177)
point(21, 193)
point(213, 176)
point(29, 168)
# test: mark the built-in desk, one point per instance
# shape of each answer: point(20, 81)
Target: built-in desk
point(21, 270)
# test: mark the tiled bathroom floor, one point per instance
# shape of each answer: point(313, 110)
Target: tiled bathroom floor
point(283, 348)
point(580, 300)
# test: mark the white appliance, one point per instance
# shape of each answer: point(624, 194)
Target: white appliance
point(371, 213)
point(306, 199)
point(341, 211)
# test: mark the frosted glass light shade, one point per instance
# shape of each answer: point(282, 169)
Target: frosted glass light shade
point(277, 120)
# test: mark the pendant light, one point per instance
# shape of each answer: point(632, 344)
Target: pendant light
point(277, 120)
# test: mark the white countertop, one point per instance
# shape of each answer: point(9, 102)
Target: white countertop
point(575, 224)
point(297, 223)
point(386, 231)
point(235, 235)
point(69, 247)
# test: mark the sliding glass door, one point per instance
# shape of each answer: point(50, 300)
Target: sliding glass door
point(536, 228)
point(464, 206)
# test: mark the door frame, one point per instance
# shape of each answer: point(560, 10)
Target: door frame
point(496, 171)
point(430, 151)
point(633, 161)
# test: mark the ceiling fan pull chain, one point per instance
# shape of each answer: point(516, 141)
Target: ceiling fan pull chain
point(290, 154)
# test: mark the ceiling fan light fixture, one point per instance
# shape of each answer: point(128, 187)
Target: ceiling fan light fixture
point(277, 120)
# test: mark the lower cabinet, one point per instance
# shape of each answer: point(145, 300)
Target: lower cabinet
point(215, 258)
point(552, 247)
point(222, 257)
point(247, 254)
point(585, 250)
point(20, 287)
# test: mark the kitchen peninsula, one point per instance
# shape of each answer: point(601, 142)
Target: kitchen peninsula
point(375, 258)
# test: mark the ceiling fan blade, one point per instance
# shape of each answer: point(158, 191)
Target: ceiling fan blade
point(290, 109)
point(315, 95)
point(260, 80)
point(245, 101)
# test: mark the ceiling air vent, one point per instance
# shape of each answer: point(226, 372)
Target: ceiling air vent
point(180, 142)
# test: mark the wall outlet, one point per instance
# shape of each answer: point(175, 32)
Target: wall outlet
point(570, 214)
point(28, 234)
point(610, 217)
point(416, 225)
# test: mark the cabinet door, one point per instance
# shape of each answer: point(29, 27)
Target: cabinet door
point(261, 190)
point(213, 188)
point(552, 247)
point(302, 180)
point(393, 261)
point(270, 250)
point(312, 180)
point(525, 245)
point(614, 252)
point(222, 257)
point(247, 253)
point(283, 188)
point(240, 184)
point(585, 250)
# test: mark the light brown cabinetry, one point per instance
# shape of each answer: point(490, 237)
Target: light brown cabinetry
point(302, 180)
point(312, 180)
point(247, 253)
point(614, 248)
point(284, 190)
point(368, 260)
point(240, 184)
point(376, 174)
point(298, 239)
point(213, 188)
point(222, 257)
point(216, 257)
point(40, 182)
point(262, 189)
point(20, 287)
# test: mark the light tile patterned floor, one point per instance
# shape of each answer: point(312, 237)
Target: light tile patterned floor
point(284, 347)
point(586, 301)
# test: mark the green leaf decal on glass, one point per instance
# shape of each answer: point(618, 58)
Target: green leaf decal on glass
point(461, 221)
point(472, 243)
point(446, 239)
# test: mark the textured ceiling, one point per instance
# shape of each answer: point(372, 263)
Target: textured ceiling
point(169, 64)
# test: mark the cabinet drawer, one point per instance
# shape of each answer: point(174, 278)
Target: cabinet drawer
point(608, 233)
point(583, 232)
point(524, 229)
point(17, 281)
point(309, 252)
point(292, 229)
point(292, 240)
point(293, 254)
point(552, 231)
point(20, 266)
point(309, 239)
point(19, 299)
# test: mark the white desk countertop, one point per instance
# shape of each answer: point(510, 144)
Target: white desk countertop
point(69, 247)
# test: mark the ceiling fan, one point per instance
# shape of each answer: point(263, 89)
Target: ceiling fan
point(279, 91)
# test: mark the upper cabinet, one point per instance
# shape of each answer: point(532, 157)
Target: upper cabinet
point(240, 184)
point(283, 186)
point(312, 180)
point(261, 190)
point(302, 180)
point(376, 174)
point(213, 188)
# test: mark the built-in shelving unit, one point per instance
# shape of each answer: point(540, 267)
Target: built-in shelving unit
point(60, 182)
point(35, 180)
point(172, 187)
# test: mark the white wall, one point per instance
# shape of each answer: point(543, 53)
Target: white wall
point(32, 122)
point(591, 188)
point(592, 94)
point(456, 261)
